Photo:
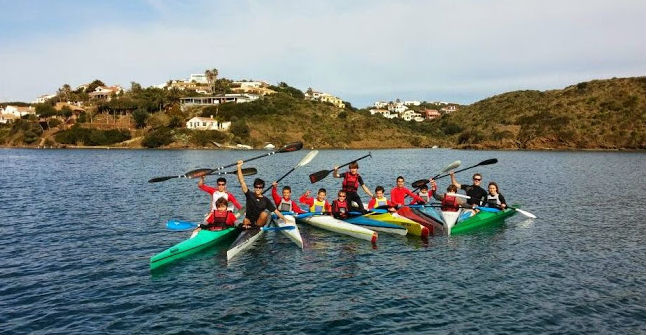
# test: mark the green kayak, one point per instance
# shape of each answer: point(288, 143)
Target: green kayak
point(201, 241)
point(482, 219)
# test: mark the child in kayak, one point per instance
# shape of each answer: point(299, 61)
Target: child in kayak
point(318, 204)
point(257, 205)
point(340, 206)
point(219, 219)
point(399, 193)
point(423, 193)
point(379, 200)
point(450, 202)
point(285, 203)
point(351, 182)
point(474, 191)
point(494, 198)
point(220, 192)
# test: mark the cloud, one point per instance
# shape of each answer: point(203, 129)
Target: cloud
point(361, 51)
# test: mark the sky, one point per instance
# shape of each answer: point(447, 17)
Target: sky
point(361, 51)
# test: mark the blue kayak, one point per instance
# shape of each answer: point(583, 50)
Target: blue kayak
point(371, 224)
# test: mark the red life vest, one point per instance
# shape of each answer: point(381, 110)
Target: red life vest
point(450, 203)
point(340, 209)
point(219, 220)
point(350, 182)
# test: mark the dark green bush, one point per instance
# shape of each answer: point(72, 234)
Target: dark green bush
point(92, 136)
point(157, 138)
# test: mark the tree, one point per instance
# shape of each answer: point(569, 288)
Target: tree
point(140, 116)
point(211, 76)
point(45, 110)
point(64, 93)
point(135, 87)
point(93, 85)
point(309, 92)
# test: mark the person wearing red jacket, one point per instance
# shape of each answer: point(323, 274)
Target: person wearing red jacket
point(220, 192)
point(379, 200)
point(340, 206)
point(318, 204)
point(399, 193)
point(351, 183)
point(424, 194)
point(220, 218)
point(284, 203)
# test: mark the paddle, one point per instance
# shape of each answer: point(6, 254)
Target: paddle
point(447, 168)
point(320, 175)
point(484, 209)
point(487, 162)
point(308, 158)
point(203, 172)
point(290, 147)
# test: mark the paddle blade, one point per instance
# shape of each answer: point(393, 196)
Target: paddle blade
point(308, 158)
point(289, 147)
point(316, 176)
point(526, 213)
point(248, 171)
point(180, 225)
point(158, 179)
point(420, 183)
point(198, 173)
point(451, 166)
point(488, 161)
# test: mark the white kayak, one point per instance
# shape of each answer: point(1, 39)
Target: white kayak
point(328, 222)
point(292, 233)
point(244, 241)
point(450, 218)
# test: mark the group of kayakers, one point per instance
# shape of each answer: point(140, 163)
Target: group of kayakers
point(347, 203)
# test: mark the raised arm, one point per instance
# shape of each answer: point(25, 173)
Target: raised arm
point(367, 190)
point(335, 174)
point(243, 185)
point(454, 181)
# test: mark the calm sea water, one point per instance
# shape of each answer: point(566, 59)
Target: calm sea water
point(79, 227)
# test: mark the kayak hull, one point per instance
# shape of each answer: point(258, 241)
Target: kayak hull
point(199, 242)
point(434, 227)
point(329, 223)
point(411, 226)
point(293, 234)
point(380, 226)
point(481, 220)
point(244, 241)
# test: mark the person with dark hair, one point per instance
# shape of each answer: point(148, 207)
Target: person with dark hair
point(476, 193)
point(494, 198)
point(220, 192)
point(285, 203)
point(318, 204)
point(399, 193)
point(379, 200)
point(424, 194)
point(257, 205)
point(351, 182)
point(219, 219)
point(450, 202)
point(340, 206)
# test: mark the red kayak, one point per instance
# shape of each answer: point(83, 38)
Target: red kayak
point(434, 227)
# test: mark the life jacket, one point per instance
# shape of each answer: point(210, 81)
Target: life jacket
point(285, 205)
point(383, 201)
point(493, 201)
point(317, 206)
point(350, 182)
point(219, 220)
point(424, 196)
point(340, 209)
point(217, 195)
point(450, 203)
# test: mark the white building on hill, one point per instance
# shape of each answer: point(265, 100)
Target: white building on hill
point(205, 123)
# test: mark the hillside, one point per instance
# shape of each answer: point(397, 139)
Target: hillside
point(599, 114)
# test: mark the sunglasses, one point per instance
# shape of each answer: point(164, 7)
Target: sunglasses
point(342, 196)
point(477, 179)
point(221, 184)
point(258, 187)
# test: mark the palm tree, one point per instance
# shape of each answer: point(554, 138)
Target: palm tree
point(211, 76)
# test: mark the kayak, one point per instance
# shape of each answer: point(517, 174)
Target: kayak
point(450, 218)
point(245, 240)
point(411, 226)
point(293, 234)
point(434, 227)
point(482, 219)
point(329, 223)
point(201, 241)
point(367, 222)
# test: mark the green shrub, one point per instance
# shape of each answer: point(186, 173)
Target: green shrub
point(92, 136)
point(206, 137)
point(157, 138)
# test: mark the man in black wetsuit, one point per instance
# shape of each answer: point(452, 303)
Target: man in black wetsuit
point(476, 193)
point(257, 205)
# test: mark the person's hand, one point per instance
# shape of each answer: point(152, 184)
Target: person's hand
point(274, 184)
point(451, 173)
point(307, 193)
point(239, 163)
point(503, 206)
point(433, 184)
point(336, 168)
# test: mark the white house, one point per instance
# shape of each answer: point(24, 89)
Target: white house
point(205, 123)
point(6, 118)
point(449, 109)
point(412, 102)
point(199, 78)
point(217, 99)
point(381, 104)
point(19, 111)
point(43, 98)
point(105, 92)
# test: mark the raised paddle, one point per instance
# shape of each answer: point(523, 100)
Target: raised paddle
point(203, 172)
point(320, 175)
point(308, 158)
point(487, 162)
point(447, 168)
point(290, 147)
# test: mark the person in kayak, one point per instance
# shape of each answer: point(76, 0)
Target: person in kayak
point(257, 205)
point(318, 204)
point(424, 194)
point(399, 193)
point(285, 203)
point(340, 206)
point(219, 219)
point(475, 191)
point(449, 201)
point(379, 200)
point(494, 198)
point(220, 192)
point(351, 182)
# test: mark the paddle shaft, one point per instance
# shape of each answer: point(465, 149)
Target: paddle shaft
point(287, 148)
point(487, 162)
point(279, 179)
point(320, 175)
